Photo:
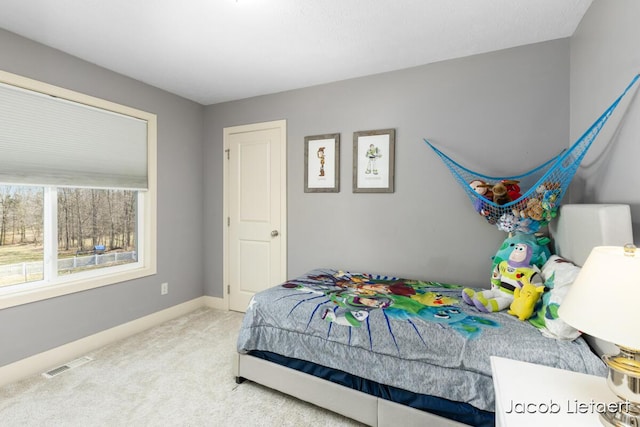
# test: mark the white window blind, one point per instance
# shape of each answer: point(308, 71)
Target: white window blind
point(46, 140)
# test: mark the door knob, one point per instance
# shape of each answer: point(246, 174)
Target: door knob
point(274, 233)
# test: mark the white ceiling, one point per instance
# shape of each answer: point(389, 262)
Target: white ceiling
point(212, 51)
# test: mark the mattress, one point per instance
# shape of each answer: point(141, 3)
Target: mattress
point(412, 335)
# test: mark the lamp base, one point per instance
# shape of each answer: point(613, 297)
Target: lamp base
point(628, 415)
point(624, 381)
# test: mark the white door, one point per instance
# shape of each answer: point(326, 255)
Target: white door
point(255, 199)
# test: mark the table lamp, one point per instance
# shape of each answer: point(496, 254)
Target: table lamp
point(604, 301)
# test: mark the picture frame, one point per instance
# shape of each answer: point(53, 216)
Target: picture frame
point(322, 163)
point(373, 161)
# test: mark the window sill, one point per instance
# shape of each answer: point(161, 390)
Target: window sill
point(24, 294)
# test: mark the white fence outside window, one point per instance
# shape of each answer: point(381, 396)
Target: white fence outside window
point(67, 265)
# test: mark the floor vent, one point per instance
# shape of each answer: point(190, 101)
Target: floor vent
point(64, 368)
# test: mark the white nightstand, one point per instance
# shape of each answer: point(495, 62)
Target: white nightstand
point(536, 395)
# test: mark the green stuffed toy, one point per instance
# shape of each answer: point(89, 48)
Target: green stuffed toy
point(539, 247)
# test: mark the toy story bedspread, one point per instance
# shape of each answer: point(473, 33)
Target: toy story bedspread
point(415, 335)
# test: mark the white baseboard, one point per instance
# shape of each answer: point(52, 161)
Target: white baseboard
point(214, 302)
point(41, 362)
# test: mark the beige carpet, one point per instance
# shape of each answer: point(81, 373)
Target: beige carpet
point(176, 374)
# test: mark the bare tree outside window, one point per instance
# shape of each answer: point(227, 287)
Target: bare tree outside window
point(96, 229)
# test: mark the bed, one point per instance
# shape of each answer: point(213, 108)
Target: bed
point(403, 349)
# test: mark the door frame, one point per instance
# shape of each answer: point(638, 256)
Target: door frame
point(227, 131)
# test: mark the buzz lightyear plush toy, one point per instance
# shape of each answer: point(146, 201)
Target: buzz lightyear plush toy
point(507, 276)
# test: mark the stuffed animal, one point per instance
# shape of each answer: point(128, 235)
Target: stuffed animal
point(484, 191)
point(528, 226)
point(508, 223)
point(513, 189)
point(538, 243)
point(547, 186)
point(482, 188)
point(502, 192)
point(534, 209)
point(549, 204)
point(524, 300)
point(506, 277)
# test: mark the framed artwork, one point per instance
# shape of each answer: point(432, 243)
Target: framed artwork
point(373, 161)
point(322, 163)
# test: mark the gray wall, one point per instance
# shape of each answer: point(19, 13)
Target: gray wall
point(500, 113)
point(604, 58)
point(32, 328)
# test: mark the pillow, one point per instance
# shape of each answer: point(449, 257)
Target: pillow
point(558, 275)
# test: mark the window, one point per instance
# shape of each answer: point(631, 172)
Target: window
point(96, 229)
point(77, 192)
point(21, 235)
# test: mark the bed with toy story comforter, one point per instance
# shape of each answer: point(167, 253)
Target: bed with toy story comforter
point(397, 338)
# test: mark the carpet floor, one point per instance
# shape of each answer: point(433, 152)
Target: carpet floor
point(175, 374)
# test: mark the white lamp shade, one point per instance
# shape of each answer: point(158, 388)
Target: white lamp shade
point(604, 300)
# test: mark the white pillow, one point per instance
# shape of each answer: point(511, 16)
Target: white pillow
point(558, 275)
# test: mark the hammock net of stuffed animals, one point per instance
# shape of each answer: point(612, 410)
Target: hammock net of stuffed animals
point(525, 203)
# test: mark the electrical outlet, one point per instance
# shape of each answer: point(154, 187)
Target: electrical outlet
point(164, 288)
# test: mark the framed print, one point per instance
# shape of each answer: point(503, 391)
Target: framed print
point(322, 163)
point(373, 161)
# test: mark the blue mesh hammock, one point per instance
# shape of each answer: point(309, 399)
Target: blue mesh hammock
point(525, 203)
